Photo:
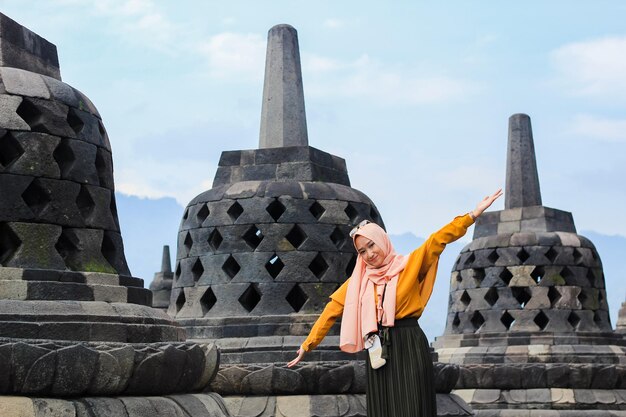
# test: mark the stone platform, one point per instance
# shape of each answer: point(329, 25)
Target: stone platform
point(324, 406)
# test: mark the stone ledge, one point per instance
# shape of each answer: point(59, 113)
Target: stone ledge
point(542, 375)
point(544, 399)
point(309, 378)
point(448, 405)
point(197, 405)
point(61, 369)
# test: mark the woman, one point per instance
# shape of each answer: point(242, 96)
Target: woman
point(383, 299)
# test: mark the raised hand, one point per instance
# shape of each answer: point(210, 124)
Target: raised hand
point(301, 353)
point(486, 202)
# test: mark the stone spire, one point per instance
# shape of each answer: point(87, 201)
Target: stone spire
point(161, 285)
point(283, 119)
point(166, 263)
point(522, 179)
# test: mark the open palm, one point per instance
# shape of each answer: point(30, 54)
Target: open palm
point(486, 202)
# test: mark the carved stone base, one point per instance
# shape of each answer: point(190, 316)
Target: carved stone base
point(545, 402)
point(448, 405)
point(197, 405)
point(312, 378)
point(63, 369)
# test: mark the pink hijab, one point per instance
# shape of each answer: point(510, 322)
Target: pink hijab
point(360, 313)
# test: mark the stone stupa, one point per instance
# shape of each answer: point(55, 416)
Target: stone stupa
point(161, 285)
point(528, 318)
point(260, 253)
point(77, 334)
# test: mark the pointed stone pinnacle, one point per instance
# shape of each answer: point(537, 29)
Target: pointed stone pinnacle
point(283, 118)
point(522, 179)
point(166, 264)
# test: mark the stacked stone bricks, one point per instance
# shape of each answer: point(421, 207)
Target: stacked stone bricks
point(77, 334)
point(528, 315)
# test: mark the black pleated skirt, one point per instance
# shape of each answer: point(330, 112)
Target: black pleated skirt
point(405, 385)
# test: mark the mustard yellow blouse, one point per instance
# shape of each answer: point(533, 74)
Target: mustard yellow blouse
point(415, 282)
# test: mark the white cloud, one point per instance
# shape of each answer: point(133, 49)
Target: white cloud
point(148, 178)
point(334, 23)
point(235, 56)
point(593, 68)
point(137, 21)
point(600, 128)
point(317, 63)
point(368, 78)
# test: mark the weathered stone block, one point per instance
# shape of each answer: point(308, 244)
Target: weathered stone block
point(539, 298)
point(12, 205)
point(23, 83)
point(95, 205)
point(60, 91)
point(228, 158)
point(82, 250)
point(37, 159)
point(16, 406)
point(46, 116)
point(244, 189)
point(319, 190)
point(104, 167)
point(36, 248)
point(8, 109)
point(77, 161)
point(258, 172)
point(84, 103)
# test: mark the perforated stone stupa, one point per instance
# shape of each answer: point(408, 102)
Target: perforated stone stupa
point(77, 334)
point(260, 253)
point(528, 314)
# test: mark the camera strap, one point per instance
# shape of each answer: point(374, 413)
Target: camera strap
point(383, 331)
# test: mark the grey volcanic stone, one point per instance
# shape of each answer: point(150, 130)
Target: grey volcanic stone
point(61, 92)
point(46, 116)
point(8, 109)
point(23, 83)
point(37, 159)
point(283, 118)
point(75, 368)
point(22, 48)
point(78, 161)
point(34, 249)
point(522, 179)
point(14, 208)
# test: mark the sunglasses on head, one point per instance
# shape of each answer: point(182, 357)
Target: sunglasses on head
point(357, 227)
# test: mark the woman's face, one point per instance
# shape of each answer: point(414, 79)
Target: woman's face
point(371, 253)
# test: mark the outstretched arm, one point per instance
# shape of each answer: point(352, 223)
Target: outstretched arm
point(331, 312)
point(435, 244)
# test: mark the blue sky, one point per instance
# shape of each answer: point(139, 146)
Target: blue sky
point(415, 95)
